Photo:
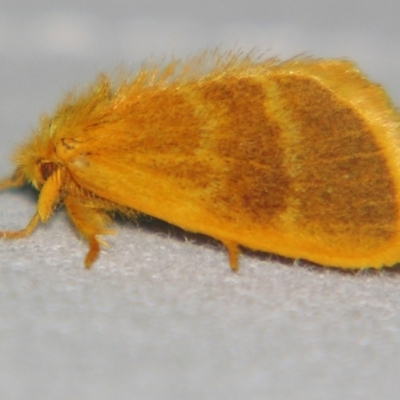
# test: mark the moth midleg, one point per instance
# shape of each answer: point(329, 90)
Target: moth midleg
point(90, 221)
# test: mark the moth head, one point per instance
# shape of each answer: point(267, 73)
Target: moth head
point(36, 158)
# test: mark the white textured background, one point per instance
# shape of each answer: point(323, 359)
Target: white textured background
point(159, 317)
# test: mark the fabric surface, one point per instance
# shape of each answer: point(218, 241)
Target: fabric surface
point(160, 315)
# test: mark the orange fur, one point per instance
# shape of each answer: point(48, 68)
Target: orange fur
point(299, 158)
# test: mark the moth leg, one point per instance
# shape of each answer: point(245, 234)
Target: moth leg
point(17, 180)
point(233, 254)
point(90, 221)
point(33, 223)
point(48, 199)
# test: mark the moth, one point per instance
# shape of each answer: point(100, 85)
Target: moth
point(299, 158)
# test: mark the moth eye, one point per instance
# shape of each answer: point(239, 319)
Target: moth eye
point(47, 169)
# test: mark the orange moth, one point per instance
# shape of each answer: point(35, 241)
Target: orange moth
point(299, 158)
